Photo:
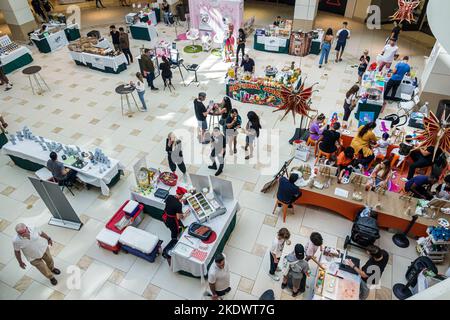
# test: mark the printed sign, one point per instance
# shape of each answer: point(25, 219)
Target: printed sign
point(255, 93)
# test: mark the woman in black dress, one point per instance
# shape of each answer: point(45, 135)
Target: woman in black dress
point(166, 72)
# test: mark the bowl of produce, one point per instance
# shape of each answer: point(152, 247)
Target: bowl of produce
point(168, 178)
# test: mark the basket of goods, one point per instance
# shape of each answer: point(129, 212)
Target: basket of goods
point(168, 178)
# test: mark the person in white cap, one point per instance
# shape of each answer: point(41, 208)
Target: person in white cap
point(34, 243)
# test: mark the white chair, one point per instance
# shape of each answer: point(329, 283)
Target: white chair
point(408, 102)
point(193, 34)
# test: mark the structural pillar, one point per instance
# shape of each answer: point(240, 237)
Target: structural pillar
point(305, 14)
point(19, 18)
point(435, 81)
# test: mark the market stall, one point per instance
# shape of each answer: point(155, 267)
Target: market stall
point(209, 201)
point(248, 88)
point(395, 211)
point(273, 39)
point(56, 36)
point(31, 153)
point(146, 15)
point(85, 52)
point(305, 43)
point(335, 282)
point(143, 31)
point(12, 55)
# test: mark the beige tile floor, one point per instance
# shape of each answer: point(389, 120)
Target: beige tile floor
point(83, 109)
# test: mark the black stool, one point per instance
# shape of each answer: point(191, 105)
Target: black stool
point(33, 72)
point(193, 68)
point(125, 91)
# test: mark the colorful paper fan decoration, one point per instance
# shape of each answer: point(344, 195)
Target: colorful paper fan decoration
point(296, 101)
point(405, 10)
point(436, 133)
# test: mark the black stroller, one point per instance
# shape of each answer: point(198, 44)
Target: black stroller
point(403, 291)
point(365, 230)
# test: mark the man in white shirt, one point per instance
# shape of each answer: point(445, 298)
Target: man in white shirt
point(219, 278)
point(34, 243)
point(388, 55)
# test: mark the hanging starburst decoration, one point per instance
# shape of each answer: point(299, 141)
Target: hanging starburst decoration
point(436, 133)
point(405, 10)
point(296, 101)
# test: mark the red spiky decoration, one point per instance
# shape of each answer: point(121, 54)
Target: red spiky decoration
point(296, 101)
point(436, 133)
point(405, 10)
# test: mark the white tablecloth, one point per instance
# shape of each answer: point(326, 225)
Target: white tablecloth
point(97, 61)
point(150, 29)
point(55, 40)
point(219, 225)
point(32, 151)
point(5, 59)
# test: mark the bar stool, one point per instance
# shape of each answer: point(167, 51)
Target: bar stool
point(33, 74)
point(310, 142)
point(284, 208)
point(125, 91)
point(213, 118)
point(322, 154)
point(193, 68)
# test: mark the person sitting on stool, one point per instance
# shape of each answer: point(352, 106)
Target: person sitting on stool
point(288, 192)
point(420, 186)
point(59, 172)
point(248, 64)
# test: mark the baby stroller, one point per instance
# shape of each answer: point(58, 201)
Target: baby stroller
point(403, 291)
point(365, 230)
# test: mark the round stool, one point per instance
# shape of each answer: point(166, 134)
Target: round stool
point(34, 75)
point(125, 91)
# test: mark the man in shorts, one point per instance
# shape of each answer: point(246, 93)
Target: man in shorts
point(342, 36)
point(200, 114)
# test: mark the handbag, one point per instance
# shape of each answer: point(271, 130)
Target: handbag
point(222, 122)
point(199, 231)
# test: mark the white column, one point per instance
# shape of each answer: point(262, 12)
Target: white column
point(435, 80)
point(305, 14)
point(19, 17)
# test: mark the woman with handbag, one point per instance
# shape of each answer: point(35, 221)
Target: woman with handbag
point(224, 108)
point(175, 154)
point(350, 103)
point(233, 123)
point(252, 130)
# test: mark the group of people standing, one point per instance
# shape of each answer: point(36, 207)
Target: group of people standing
point(342, 36)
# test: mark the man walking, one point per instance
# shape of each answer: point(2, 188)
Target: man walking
point(149, 68)
point(34, 243)
point(342, 36)
point(124, 43)
point(400, 70)
point(200, 114)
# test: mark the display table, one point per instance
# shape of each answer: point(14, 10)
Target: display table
point(316, 44)
point(248, 92)
point(333, 282)
point(16, 59)
point(391, 215)
point(29, 155)
point(108, 64)
point(271, 44)
point(222, 225)
point(143, 31)
point(51, 43)
point(72, 32)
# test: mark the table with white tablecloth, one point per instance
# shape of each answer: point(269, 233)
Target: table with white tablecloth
point(222, 225)
point(15, 59)
point(29, 155)
point(109, 64)
point(52, 42)
point(143, 31)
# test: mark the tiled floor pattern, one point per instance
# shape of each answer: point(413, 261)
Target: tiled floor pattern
point(82, 109)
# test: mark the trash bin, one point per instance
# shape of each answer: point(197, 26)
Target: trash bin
point(181, 12)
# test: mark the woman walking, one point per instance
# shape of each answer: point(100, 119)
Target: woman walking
point(350, 103)
point(233, 123)
point(166, 72)
point(175, 154)
point(140, 89)
point(252, 130)
point(326, 47)
point(241, 44)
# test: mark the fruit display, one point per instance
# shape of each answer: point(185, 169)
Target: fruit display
point(168, 178)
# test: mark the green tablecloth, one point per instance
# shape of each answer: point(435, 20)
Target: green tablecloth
point(261, 46)
point(72, 34)
point(26, 164)
point(139, 33)
point(315, 47)
point(42, 45)
point(3, 140)
point(121, 68)
point(18, 63)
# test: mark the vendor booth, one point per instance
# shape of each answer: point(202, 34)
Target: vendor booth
point(146, 15)
point(305, 43)
point(214, 16)
point(273, 39)
point(31, 153)
point(55, 37)
point(143, 31)
point(12, 55)
point(209, 201)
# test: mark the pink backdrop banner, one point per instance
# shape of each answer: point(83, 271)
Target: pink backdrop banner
point(208, 15)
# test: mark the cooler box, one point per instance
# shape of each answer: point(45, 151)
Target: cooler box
point(140, 243)
point(135, 219)
point(109, 240)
